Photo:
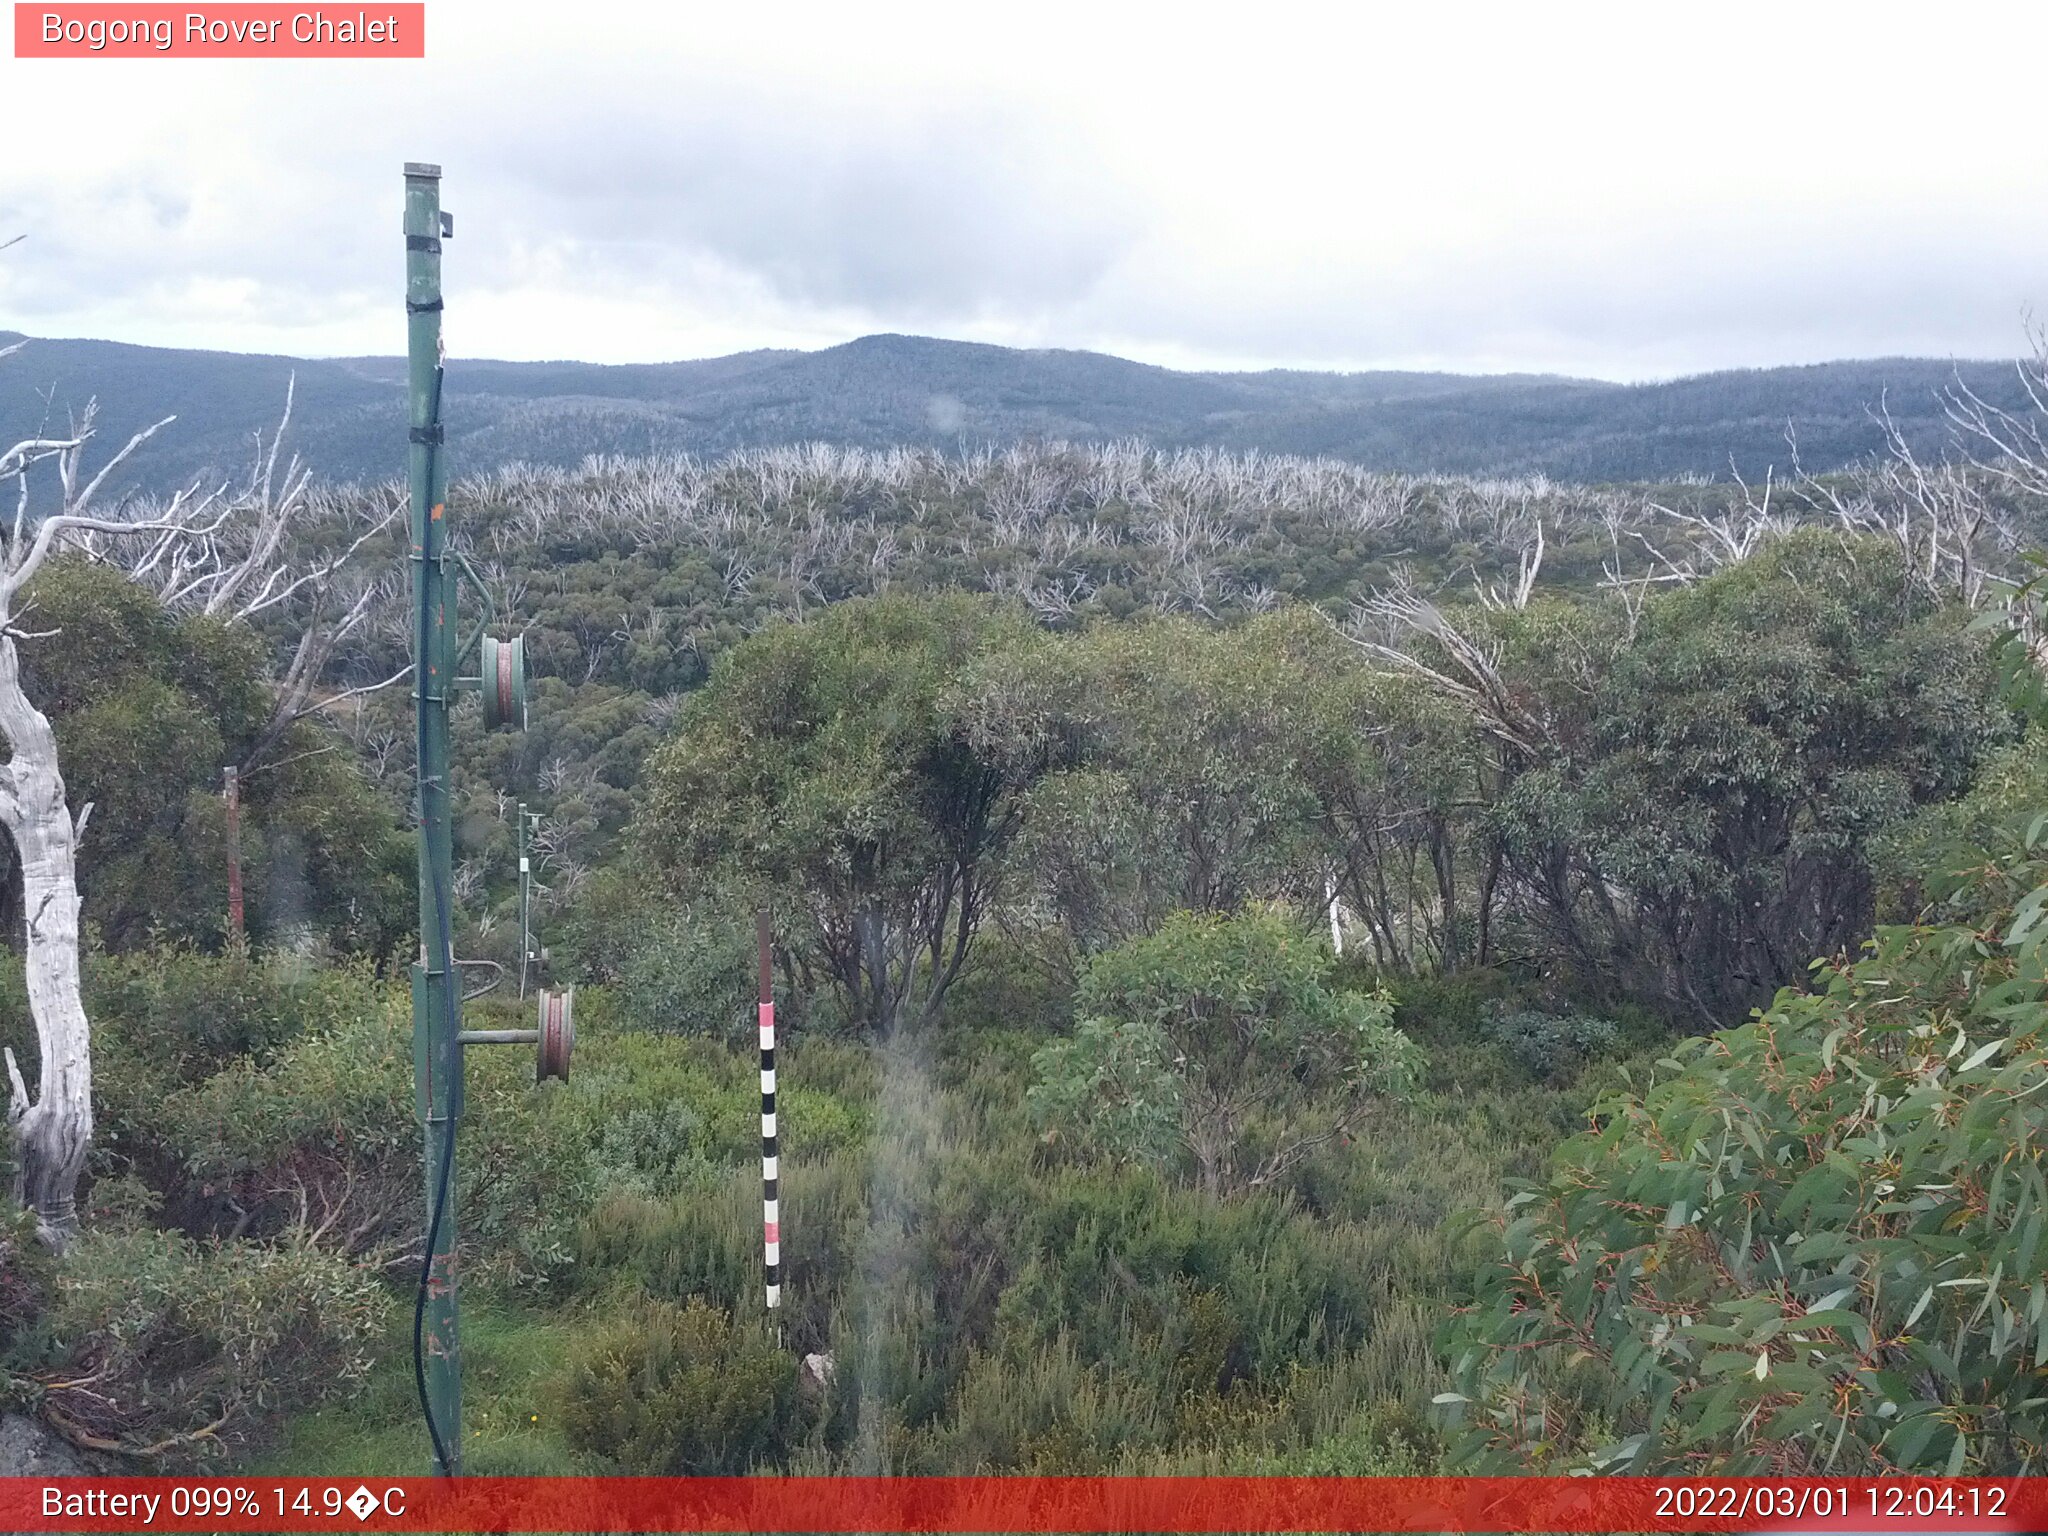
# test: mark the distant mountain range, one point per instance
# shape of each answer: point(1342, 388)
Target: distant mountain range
point(884, 390)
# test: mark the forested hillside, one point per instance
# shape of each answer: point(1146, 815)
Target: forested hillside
point(1201, 886)
point(892, 391)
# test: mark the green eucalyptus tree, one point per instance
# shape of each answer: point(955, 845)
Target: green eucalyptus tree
point(842, 769)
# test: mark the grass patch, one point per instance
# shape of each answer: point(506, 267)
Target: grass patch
point(511, 1355)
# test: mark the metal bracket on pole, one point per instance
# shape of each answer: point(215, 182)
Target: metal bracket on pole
point(497, 975)
point(554, 1038)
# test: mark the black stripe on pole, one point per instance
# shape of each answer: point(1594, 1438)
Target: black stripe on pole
point(771, 1207)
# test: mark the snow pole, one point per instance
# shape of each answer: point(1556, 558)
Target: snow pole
point(525, 903)
point(231, 795)
point(771, 1205)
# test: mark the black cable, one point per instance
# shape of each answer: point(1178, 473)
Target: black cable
point(419, 1306)
point(445, 943)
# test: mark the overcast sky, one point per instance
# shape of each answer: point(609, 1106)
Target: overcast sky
point(1629, 191)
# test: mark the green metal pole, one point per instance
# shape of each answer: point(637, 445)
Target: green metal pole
point(437, 1054)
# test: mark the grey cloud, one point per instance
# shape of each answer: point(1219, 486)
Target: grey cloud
point(946, 216)
point(133, 241)
point(1681, 301)
point(665, 187)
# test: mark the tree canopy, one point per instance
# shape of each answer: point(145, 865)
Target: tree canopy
point(832, 769)
point(148, 708)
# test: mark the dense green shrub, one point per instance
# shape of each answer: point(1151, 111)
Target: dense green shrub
point(1013, 984)
point(1196, 1038)
point(1917, 859)
point(153, 1343)
point(147, 706)
point(693, 972)
point(652, 1112)
point(700, 1238)
point(1552, 1045)
point(165, 1020)
point(681, 1391)
point(1048, 1412)
point(163, 1017)
point(1196, 754)
point(28, 1276)
point(1145, 1274)
point(669, 966)
point(1698, 822)
point(321, 1145)
point(1438, 1005)
point(1815, 1243)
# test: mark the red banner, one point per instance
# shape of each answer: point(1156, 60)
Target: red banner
point(1001, 1504)
point(231, 31)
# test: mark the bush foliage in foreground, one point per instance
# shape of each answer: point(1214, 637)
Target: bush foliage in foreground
point(1817, 1244)
point(150, 1343)
point(681, 1391)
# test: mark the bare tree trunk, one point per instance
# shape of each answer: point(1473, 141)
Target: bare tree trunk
point(1443, 860)
point(52, 1131)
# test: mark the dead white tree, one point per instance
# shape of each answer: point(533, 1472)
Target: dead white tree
point(201, 551)
point(1529, 563)
point(1951, 519)
point(1633, 591)
point(52, 1127)
point(1470, 668)
point(244, 568)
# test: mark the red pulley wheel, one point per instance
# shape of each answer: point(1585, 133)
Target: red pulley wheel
point(557, 1034)
point(503, 683)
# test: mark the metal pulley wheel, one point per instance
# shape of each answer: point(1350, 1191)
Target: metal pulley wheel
point(504, 682)
point(557, 1034)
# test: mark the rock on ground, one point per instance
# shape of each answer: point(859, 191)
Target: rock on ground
point(29, 1448)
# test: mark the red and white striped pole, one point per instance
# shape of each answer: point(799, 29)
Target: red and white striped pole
point(771, 1218)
